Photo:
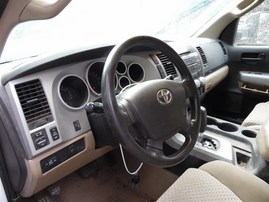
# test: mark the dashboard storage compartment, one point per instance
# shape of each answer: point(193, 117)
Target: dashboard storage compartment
point(242, 158)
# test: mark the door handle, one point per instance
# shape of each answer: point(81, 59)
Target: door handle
point(253, 57)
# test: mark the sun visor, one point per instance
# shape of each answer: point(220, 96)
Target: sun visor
point(42, 9)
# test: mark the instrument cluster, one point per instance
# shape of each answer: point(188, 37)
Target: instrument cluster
point(75, 92)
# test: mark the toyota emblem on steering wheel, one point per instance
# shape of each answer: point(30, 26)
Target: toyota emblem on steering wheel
point(164, 96)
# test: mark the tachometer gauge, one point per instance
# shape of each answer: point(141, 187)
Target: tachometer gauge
point(68, 94)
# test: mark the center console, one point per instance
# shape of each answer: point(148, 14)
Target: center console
point(223, 140)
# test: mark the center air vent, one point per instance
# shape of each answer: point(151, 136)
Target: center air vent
point(34, 103)
point(167, 64)
point(202, 54)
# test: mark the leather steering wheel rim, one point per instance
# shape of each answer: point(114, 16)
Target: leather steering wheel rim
point(124, 111)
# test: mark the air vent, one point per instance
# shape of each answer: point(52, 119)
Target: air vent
point(167, 64)
point(202, 54)
point(34, 103)
point(223, 48)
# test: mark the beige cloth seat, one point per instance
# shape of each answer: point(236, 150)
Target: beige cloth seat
point(217, 181)
point(257, 116)
point(262, 140)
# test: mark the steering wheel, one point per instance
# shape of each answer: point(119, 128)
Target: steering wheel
point(145, 115)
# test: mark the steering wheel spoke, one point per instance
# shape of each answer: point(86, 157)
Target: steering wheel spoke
point(126, 114)
point(188, 91)
point(155, 144)
point(155, 148)
point(186, 127)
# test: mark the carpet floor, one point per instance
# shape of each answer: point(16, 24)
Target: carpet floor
point(111, 182)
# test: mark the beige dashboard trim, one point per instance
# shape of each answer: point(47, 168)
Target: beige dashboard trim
point(37, 181)
point(215, 78)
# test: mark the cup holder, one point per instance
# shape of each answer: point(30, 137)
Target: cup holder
point(228, 127)
point(249, 133)
point(211, 121)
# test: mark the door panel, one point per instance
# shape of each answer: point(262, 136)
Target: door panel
point(245, 86)
point(247, 42)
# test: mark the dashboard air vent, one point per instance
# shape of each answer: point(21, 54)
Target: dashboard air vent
point(167, 64)
point(34, 103)
point(202, 54)
point(223, 48)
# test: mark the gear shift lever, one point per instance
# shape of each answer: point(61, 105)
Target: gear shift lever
point(203, 119)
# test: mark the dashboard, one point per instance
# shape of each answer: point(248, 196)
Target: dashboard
point(45, 99)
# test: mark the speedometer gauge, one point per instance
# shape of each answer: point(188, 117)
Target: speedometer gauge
point(94, 76)
point(95, 82)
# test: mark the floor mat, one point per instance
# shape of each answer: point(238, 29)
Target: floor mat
point(112, 183)
point(106, 185)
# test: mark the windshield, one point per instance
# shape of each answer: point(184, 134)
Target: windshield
point(86, 23)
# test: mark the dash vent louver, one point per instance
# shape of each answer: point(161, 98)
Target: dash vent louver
point(167, 64)
point(202, 54)
point(34, 103)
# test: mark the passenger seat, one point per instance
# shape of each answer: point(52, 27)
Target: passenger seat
point(257, 116)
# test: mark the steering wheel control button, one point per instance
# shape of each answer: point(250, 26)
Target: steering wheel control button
point(164, 96)
point(54, 133)
point(40, 139)
point(77, 125)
